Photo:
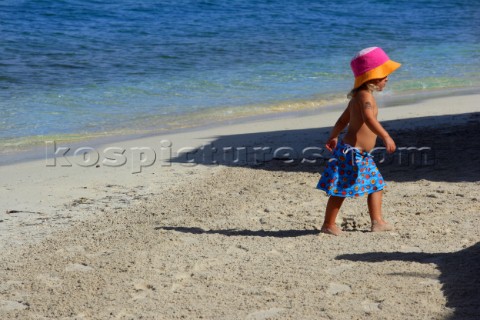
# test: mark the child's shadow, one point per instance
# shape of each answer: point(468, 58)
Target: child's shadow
point(460, 275)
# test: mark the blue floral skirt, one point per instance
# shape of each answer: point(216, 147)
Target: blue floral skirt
point(350, 173)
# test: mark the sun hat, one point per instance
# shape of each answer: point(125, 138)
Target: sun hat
point(371, 63)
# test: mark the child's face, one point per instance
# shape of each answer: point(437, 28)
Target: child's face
point(381, 83)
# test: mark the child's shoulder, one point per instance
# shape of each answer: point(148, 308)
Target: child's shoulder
point(362, 96)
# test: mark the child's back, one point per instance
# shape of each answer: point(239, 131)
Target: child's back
point(359, 135)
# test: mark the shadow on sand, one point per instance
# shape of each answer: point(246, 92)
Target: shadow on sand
point(460, 275)
point(244, 233)
point(448, 150)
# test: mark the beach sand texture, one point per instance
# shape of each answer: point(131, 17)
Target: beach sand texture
point(241, 242)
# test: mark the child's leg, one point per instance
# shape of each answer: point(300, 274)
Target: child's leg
point(375, 210)
point(331, 212)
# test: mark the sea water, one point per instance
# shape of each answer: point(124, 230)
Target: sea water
point(76, 69)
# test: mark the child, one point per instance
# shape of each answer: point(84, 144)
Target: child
point(352, 172)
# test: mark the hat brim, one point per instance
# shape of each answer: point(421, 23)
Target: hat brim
point(377, 73)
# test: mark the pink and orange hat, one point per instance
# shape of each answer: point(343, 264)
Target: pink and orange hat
point(371, 63)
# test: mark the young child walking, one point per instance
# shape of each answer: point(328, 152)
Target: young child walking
point(351, 172)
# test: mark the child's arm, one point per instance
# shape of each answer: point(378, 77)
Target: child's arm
point(341, 123)
point(366, 106)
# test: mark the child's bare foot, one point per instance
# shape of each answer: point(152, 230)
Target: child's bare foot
point(379, 226)
point(331, 229)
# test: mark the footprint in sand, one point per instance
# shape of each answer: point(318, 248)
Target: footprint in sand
point(206, 264)
point(9, 305)
point(237, 249)
point(370, 306)
point(142, 290)
point(338, 288)
point(181, 280)
point(274, 253)
point(10, 285)
point(78, 267)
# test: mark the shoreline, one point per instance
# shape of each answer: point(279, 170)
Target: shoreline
point(50, 184)
point(37, 151)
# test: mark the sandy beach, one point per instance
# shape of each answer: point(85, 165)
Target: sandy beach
point(222, 223)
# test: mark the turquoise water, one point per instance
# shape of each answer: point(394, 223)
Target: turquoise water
point(76, 69)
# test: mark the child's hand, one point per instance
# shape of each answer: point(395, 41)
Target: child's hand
point(389, 144)
point(332, 143)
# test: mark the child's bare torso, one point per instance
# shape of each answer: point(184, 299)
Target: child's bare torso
point(359, 134)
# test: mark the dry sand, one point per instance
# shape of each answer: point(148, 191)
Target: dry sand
point(239, 241)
